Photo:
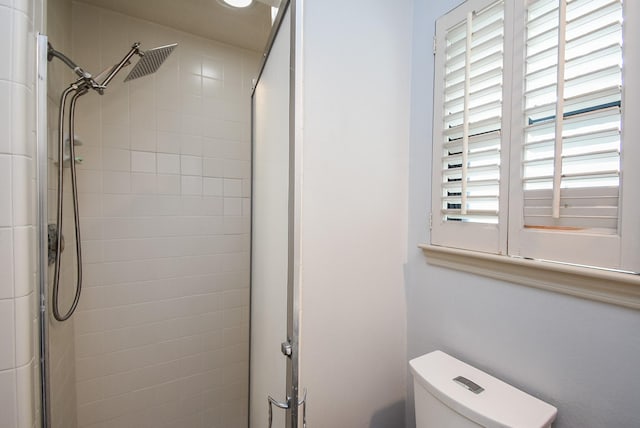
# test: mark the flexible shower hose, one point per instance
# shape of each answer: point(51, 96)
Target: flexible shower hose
point(79, 91)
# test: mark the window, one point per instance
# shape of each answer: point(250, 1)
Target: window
point(534, 151)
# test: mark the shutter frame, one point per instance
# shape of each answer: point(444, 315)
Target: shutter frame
point(589, 247)
point(485, 237)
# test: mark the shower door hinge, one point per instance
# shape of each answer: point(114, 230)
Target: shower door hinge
point(434, 45)
point(430, 221)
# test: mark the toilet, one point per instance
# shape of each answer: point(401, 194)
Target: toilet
point(453, 394)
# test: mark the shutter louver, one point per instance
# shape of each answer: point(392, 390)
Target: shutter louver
point(572, 135)
point(472, 117)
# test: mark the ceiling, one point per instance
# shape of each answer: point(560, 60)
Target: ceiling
point(247, 27)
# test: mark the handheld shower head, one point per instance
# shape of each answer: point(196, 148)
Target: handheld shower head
point(150, 61)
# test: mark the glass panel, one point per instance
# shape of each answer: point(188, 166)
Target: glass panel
point(270, 229)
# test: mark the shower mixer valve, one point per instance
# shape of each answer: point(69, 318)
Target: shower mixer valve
point(52, 235)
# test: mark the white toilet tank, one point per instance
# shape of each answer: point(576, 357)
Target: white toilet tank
point(452, 394)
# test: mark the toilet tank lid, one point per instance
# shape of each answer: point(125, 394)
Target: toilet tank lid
point(497, 405)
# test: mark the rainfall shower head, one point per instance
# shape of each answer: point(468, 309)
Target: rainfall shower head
point(150, 61)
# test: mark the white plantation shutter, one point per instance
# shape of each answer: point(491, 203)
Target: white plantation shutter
point(537, 129)
point(468, 136)
point(566, 170)
point(571, 155)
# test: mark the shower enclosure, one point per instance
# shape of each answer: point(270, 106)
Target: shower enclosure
point(160, 336)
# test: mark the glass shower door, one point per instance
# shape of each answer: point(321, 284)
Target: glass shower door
point(271, 369)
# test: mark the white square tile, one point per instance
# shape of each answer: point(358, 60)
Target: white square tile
point(190, 165)
point(212, 167)
point(192, 206)
point(142, 183)
point(191, 84)
point(191, 104)
point(24, 394)
point(6, 36)
point(6, 263)
point(168, 121)
point(232, 206)
point(246, 207)
point(116, 182)
point(143, 111)
point(246, 188)
point(113, 136)
point(167, 94)
point(168, 184)
point(212, 68)
point(5, 112)
point(168, 163)
point(91, 228)
point(116, 159)
point(8, 402)
point(232, 187)
point(92, 250)
point(6, 212)
point(143, 140)
point(212, 186)
point(7, 335)
point(23, 262)
point(23, 6)
point(20, 48)
point(168, 142)
point(192, 124)
point(237, 169)
point(91, 205)
point(22, 186)
point(212, 148)
point(191, 185)
point(89, 181)
point(143, 162)
point(213, 206)
point(117, 205)
point(212, 88)
point(91, 158)
point(23, 333)
point(115, 106)
point(191, 145)
point(19, 126)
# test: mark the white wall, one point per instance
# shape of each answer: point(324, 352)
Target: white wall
point(18, 296)
point(579, 355)
point(354, 135)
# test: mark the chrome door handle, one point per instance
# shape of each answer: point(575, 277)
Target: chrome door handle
point(286, 406)
point(278, 404)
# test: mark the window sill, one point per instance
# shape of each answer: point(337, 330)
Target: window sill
point(603, 286)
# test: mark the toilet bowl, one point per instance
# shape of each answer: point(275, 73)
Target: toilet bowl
point(453, 394)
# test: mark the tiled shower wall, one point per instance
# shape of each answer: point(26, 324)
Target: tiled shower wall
point(18, 322)
point(61, 349)
point(161, 334)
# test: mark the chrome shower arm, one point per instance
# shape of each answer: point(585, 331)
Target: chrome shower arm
point(135, 49)
point(51, 53)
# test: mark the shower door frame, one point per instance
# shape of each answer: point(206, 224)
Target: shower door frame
point(293, 398)
point(42, 223)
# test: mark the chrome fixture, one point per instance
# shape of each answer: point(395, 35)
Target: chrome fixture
point(149, 63)
point(286, 406)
